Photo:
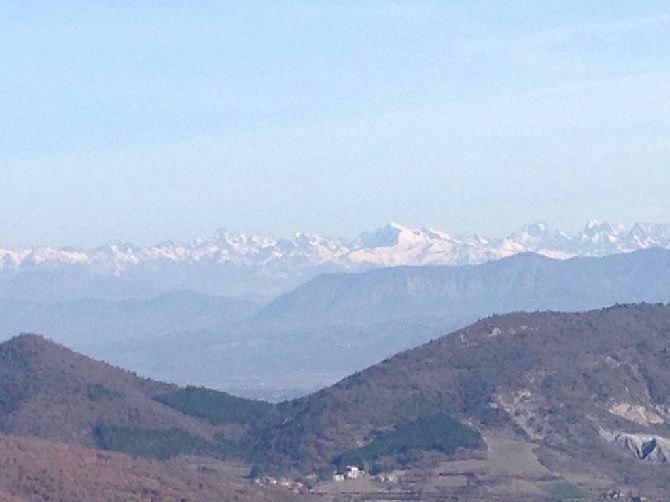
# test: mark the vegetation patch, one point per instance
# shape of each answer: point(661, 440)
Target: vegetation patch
point(13, 392)
point(214, 406)
point(98, 392)
point(563, 490)
point(440, 433)
point(153, 443)
point(17, 383)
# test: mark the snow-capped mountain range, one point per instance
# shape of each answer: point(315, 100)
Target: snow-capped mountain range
point(228, 263)
point(391, 245)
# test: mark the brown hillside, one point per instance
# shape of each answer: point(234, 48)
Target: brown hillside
point(559, 381)
point(37, 470)
point(51, 392)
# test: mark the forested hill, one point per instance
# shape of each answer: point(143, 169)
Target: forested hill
point(51, 392)
point(557, 380)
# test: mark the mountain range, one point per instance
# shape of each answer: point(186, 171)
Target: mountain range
point(260, 268)
point(361, 305)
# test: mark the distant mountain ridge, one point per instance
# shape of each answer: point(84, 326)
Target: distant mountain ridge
point(260, 268)
point(339, 323)
point(525, 281)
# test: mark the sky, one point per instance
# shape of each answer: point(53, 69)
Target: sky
point(154, 120)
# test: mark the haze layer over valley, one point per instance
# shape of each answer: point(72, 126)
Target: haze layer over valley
point(388, 290)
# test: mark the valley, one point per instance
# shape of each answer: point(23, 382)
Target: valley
point(532, 404)
point(331, 326)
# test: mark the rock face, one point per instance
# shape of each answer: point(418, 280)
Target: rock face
point(636, 413)
point(643, 446)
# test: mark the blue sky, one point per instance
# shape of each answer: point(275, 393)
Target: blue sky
point(153, 120)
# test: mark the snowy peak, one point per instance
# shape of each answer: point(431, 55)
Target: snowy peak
point(536, 235)
point(602, 238)
point(644, 235)
point(399, 245)
point(598, 231)
point(539, 238)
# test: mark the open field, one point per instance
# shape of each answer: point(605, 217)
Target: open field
point(510, 468)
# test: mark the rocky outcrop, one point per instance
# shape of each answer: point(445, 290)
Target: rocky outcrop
point(636, 413)
point(653, 448)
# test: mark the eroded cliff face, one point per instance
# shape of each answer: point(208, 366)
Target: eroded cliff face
point(639, 425)
point(597, 397)
point(653, 448)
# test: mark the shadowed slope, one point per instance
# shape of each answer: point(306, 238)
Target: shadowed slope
point(51, 392)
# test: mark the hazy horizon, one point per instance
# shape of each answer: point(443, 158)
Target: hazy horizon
point(167, 120)
point(571, 232)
